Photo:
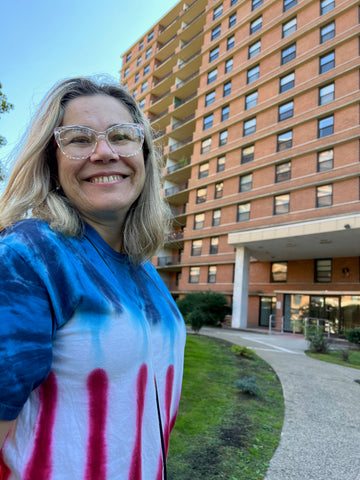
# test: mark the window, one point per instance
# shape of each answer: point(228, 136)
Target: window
point(232, 2)
point(223, 138)
point(286, 111)
point(327, 62)
point(203, 170)
point(214, 245)
point(245, 183)
point(225, 113)
point(227, 89)
point(249, 127)
point(141, 44)
point(208, 121)
point(212, 76)
point(146, 70)
point(138, 62)
point(214, 53)
point(128, 57)
point(144, 86)
point(254, 49)
point(150, 36)
point(326, 126)
point(256, 4)
point(212, 274)
point(243, 212)
point(284, 141)
point(289, 27)
point(247, 154)
point(230, 42)
point(196, 246)
point(148, 52)
point(210, 98)
point(220, 165)
point(142, 104)
point(288, 54)
point(137, 76)
point(326, 94)
point(327, 32)
point(289, 4)
point(135, 93)
point(325, 160)
point(255, 25)
point(323, 271)
point(251, 100)
point(279, 271)
point(199, 220)
point(217, 12)
point(194, 274)
point(232, 20)
point(324, 196)
point(206, 145)
point(229, 65)
point(216, 218)
point(126, 71)
point(281, 204)
point(253, 74)
point(216, 32)
point(219, 188)
point(287, 82)
point(282, 172)
point(201, 195)
point(326, 6)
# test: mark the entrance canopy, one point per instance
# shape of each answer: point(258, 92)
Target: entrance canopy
point(322, 238)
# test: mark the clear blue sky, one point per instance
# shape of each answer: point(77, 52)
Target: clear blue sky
point(44, 41)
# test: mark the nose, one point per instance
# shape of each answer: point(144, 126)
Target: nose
point(103, 152)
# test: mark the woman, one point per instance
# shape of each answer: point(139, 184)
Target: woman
point(91, 341)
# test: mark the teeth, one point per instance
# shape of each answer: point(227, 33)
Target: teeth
point(110, 178)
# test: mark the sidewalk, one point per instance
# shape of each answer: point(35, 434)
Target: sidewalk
point(321, 432)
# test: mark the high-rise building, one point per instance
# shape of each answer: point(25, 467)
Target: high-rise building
point(256, 105)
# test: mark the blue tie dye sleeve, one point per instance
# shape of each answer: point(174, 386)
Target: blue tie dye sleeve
point(26, 330)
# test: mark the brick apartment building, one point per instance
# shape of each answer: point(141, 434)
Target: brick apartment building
point(256, 105)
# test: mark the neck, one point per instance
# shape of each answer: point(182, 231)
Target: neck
point(110, 233)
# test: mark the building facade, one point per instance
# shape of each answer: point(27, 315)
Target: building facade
point(256, 108)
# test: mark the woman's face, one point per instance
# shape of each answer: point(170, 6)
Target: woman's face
point(105, 185)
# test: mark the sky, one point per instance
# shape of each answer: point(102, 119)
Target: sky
point(44, 41)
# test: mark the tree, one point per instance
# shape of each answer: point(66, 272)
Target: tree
point(5, 106)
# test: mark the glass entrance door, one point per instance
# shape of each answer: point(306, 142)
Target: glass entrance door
point(327, 308)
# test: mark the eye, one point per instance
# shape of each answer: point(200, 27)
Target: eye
point(117, 137)
point(77, 137)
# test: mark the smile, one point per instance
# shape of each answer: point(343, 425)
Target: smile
point(103, 179)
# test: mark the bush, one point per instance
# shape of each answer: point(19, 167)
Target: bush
point(353, 335)
point(248, 385)
point(213, 307)
point(242, 351)
point(317, 341)
point(197, 319)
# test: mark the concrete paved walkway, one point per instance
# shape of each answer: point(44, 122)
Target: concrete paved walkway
point(321, 432)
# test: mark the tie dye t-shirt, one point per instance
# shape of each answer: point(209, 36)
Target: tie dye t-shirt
point(83, 336)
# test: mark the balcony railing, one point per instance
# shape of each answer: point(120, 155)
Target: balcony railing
point(180, 164)
point(159, 116)
point(181, 122)
point(176, 211)
point(170, 260)
point(180, 144)
point(185, 62)
point(176, 189)
point(180, 84)
point(157, 99)
point(174, 236)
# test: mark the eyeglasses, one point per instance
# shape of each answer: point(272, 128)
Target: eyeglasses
point(76, 142)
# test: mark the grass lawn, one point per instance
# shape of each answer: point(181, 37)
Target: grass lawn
point(220, 432)
point(337, 356)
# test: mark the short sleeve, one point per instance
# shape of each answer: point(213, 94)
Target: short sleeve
point(26, 331)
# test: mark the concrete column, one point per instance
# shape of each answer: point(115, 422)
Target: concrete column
point(241, 288)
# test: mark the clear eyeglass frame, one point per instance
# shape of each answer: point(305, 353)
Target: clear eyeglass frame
point(118, 149)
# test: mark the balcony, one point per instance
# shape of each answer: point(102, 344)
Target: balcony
point(178, 123)
point(169, 260)
point(176, 189)
point(181, 164)
point(175, 236)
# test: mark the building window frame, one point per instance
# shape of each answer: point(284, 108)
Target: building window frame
point(216, 217)
point(254, 49)
point(249, 126)
point(245, 183)
point(243, 212)
point(232, 20)
point(225, 112)
point(209, 98)
point(327, 93)
point(208, 121)
point(251, 100)
point(253, 74)
point(289, 27)
point(288, 4)
point(282, 204)
point(230, 42)
point(278, 272)
point(325, 126)
point(327, 32)
point(212, 76)
point(227, 88)
point(325, 160)
point(214, 246)
point(256, 4)
point(283, 172)
point(194, 274)
point(229, 65)
point(201, 195)
point(219, 190)
point(326, 6)
point(327, 62)
point(323, 270)
point(218, 11)
point(284, 141)
point(205, 145)
point(212, 270)
point(196, 248)
point(287, 82)
point(324, 196)
point(288, 54)
point(214, 54)
point(216, 32)
point(220, 164)
point(247, 154)
point(203, 170)
point(256, 25)
point(286, 111)
point(199, 221)
point(223, 138)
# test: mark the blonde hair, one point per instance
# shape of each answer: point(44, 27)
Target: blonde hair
point(31, 190)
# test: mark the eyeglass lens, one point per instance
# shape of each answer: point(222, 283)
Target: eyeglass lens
point(80, 142)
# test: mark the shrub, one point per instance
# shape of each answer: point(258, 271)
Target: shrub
point(248, 385)
point(345, 354)
point(317, 341)
point(242, 351)
point(353, 335)
point(213, 306)
point(197, 319)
